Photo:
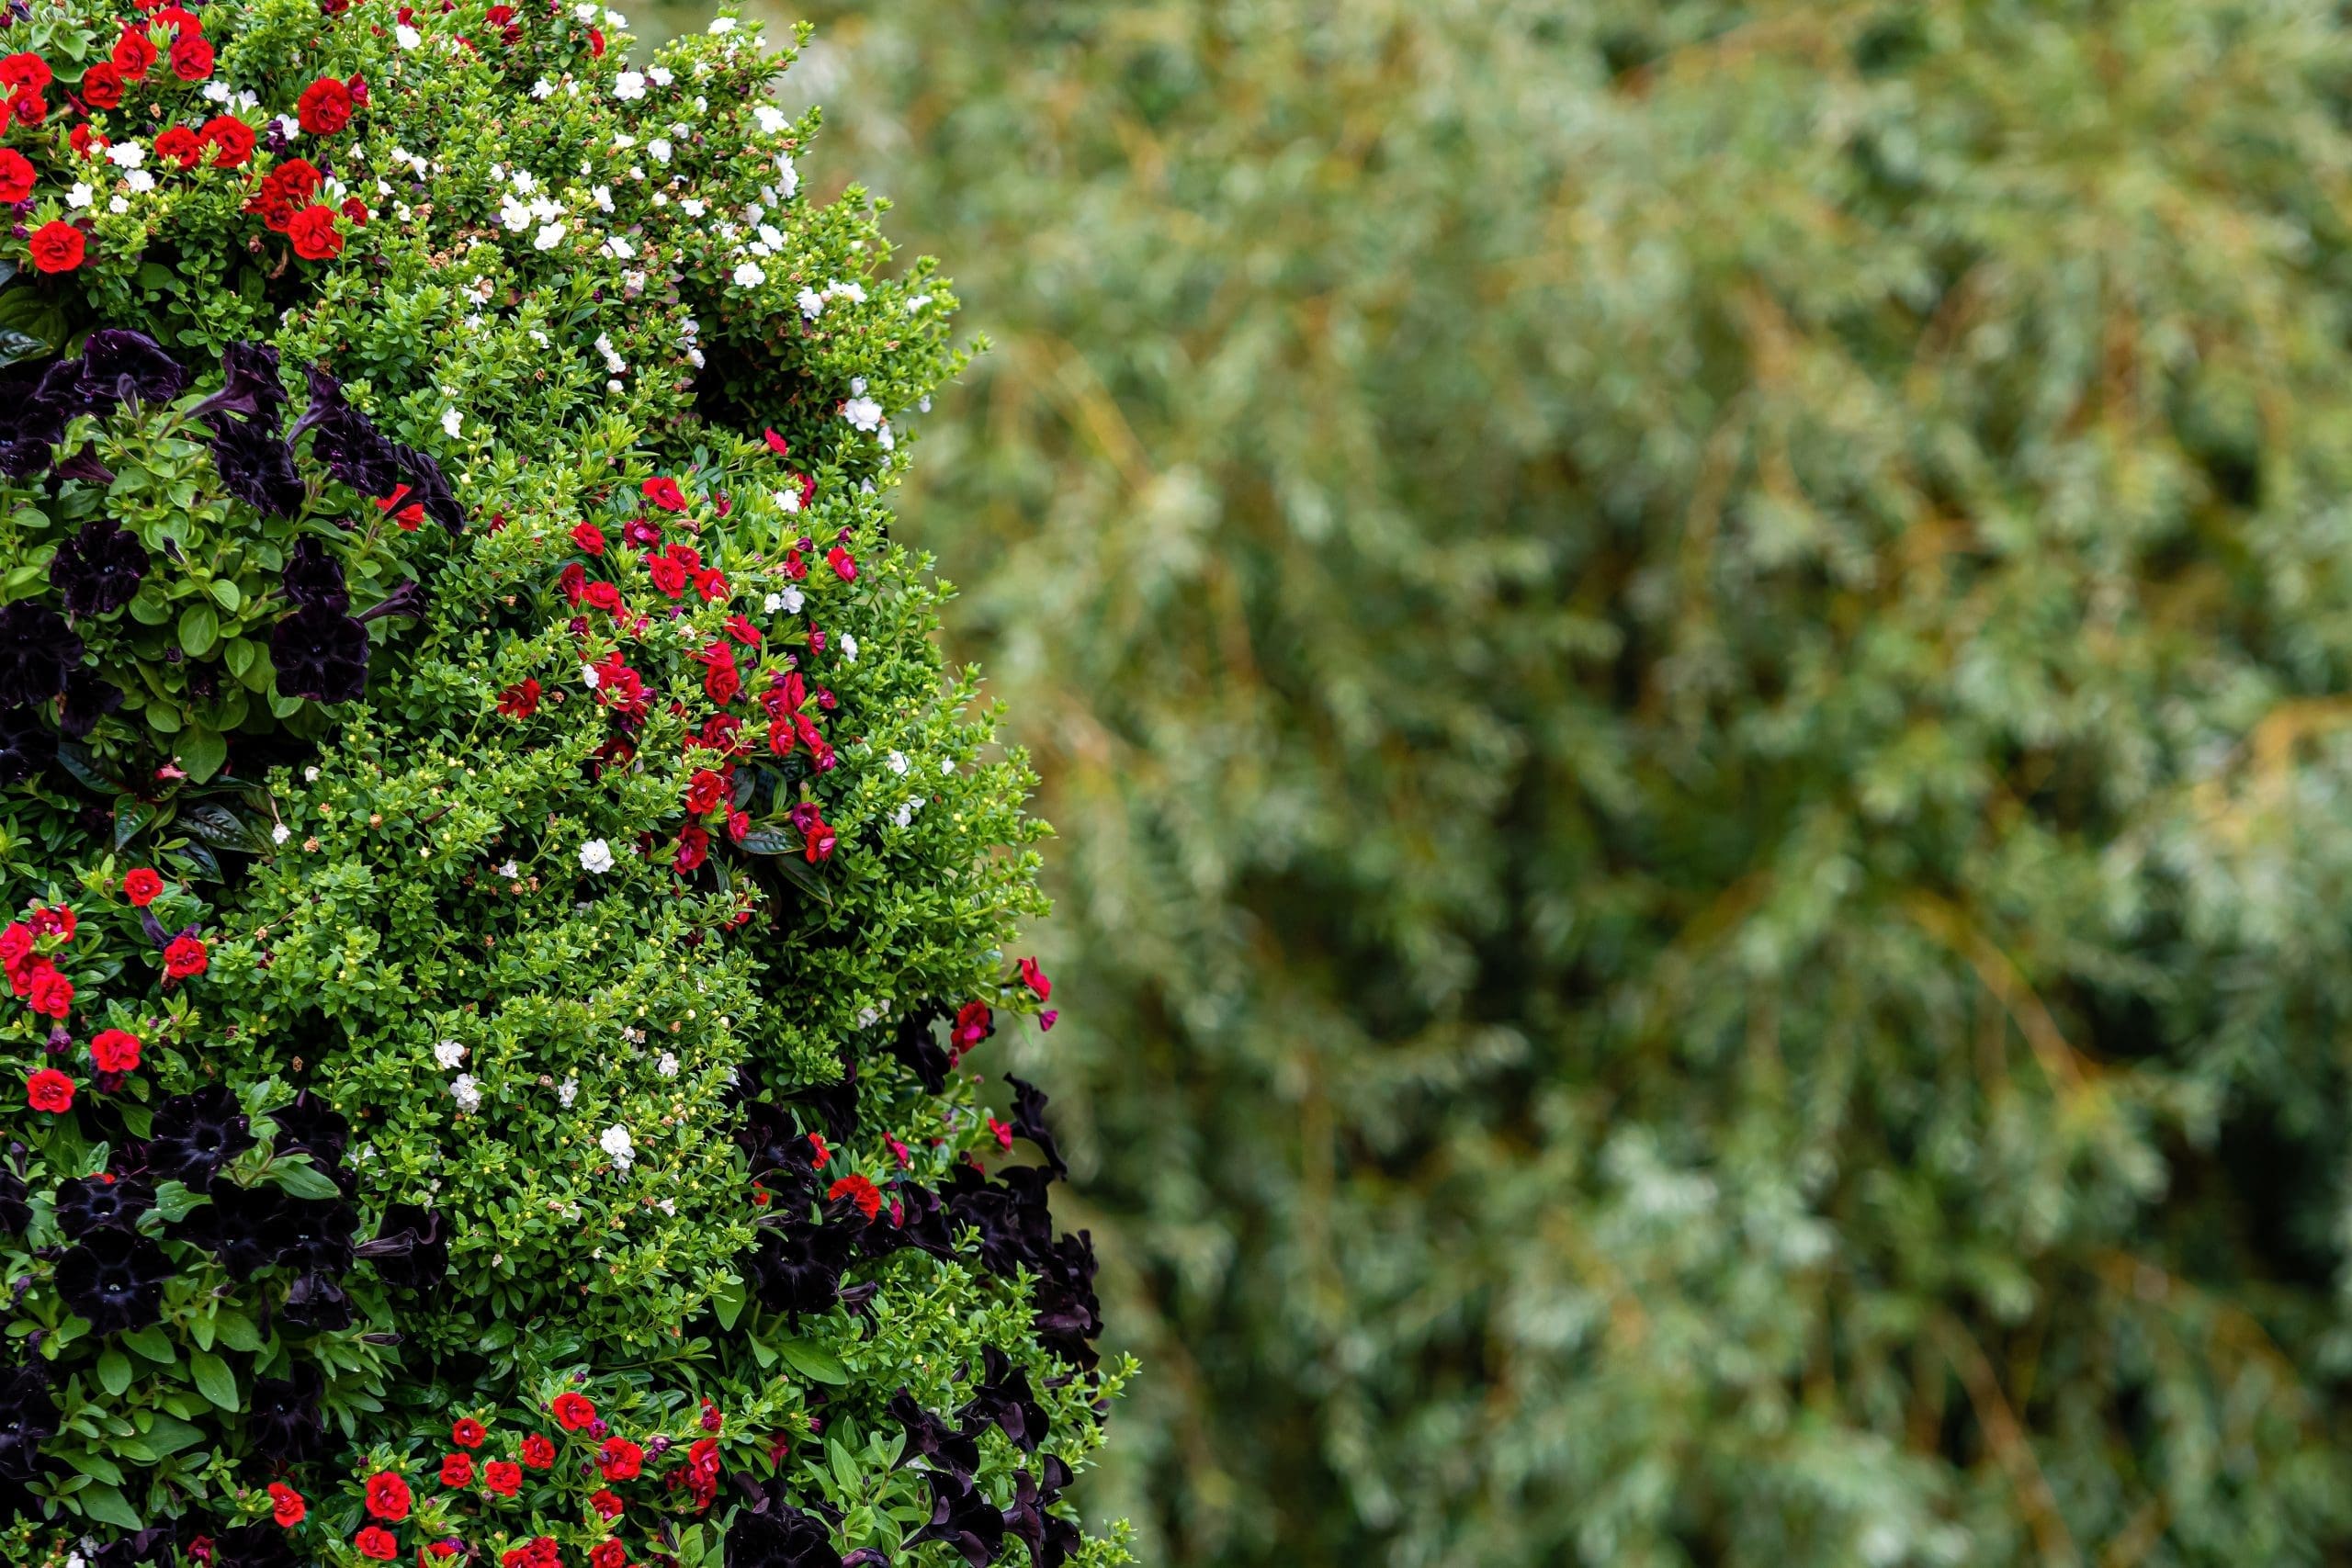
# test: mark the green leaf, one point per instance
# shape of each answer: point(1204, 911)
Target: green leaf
point(173, 1200)
point(87, 771)
point(213, 1379)
point(298, 1176)
point(202, 751)
point(726, 1302)
point(132, 817)
point(97, 1467)
point(215, 823)
point(150, 1342)
point(237, 1331)
point(199, 629)
point(226, 594)
point(803, 875)
point(769, 841)
point(245, 659)
point(812, 1361)
point(107, 1505)
point(114, 1370)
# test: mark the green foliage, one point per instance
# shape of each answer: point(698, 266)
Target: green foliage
point(1693, 660)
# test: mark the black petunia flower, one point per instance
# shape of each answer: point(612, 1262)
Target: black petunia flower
point(26, 745)
point(195, 1134)
point(250, 388)
point(911, 1043)
point(780, 1536)
point(779, 1153)
point(36, 648)
point(256, 466)
point(428, 488)
point(347, 441)
point(798, 1266)
point(964, 1518)
point(138, 1551)
point(1029, 1122)
point(98, 568)
point(320, 654)
point(1064, 1309)
point(311, 1126)
point(122, 365)
point(15, 1213)
point(931, 1437)
point(1050, 1540)
point(312, 577)
point(88, 1203)
point(28, 1416)
point(835, 1103)
point(409, 1250)
point(115, 1279)
point(1004, 1398)
point(89, 697)
point(314, 1302)
point(237, 1227)
point(261, 1544)
point(282, 1418)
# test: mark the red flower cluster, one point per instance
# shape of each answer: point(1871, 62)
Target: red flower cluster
point(32, 974)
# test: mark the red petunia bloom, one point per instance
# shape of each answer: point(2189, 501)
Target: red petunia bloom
point(325, 107)
point(49, 993)
point(191, 57)
point(973, 1023)
point(504, 1478)
point(859, 1191)
point(607, 1506)
point(186, 957)
point(457, 1470)
point(704, 792)
point(135, 52)
point(713, 587)
point(621, 1459)
point(49, 1090)
point(357, 210)
point(469, 1433)
point(722, 682)
point(23, 73)
point(388, 1496)
point(818, 1151)
point(314, 234)
point(744, 632)
point(664, 493)
point(845, 564)
point(572, 1411)
point(232, 138)
point(794, 566)
point(573, 580)
point(142, 886)
point(57, 921)
point(608, 1554)
point(605, 596)
point(589, 537)
point(285, 191)
point(287, 1506)
point(28, 107)
point(776, 444)
point(817, 841)
point(16, 175)
point(694, 847)
point(115, 1051)
point(102, 86)
point(377, 1542)
point(57, 247)
point(181, 146)
point(520, 700)
point(1034, 979)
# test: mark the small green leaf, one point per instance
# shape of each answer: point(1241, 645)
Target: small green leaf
point(812, 1361)
point(726, 1302)
point(150, 1342)
point(114, 1370)
point(226, 593)
point(213, 1379)
point(199, 629)
point(97, 1467)
point(132, 817)
point(107, 1505)
point(237, 1331)
point(202, 751)
point(298, 1176)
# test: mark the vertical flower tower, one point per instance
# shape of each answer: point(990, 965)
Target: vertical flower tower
point(507, 910)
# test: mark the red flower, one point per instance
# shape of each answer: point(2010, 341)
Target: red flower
point(325, 107)
point(377, 1542)
point(468, 1433)
point(16, 175)
point(286, 1505)
point(102, 86)
point(314, 234)
point(28, 107)
point(59, 922)
point(115, 1051)
point(49, 1090)
point(573, 580)
point(618, 686)
point(232, 136)
point(15, 947)
point(589, 537)
point(506, 1479)
point(57, 247)
point(191, 57)
point(744, 632)
point(1001, 1132)
point(185, 956)
point(845, 564)
point(723, 682)
point(457, 1470)
point(817, 841)
point(973, 1022)
point(860, 1192)
point(284, 192)
point(49, 993)
point(705, 791)
point(712, 586)
point(607, 1555)
point(621, 1459)
point(794, 566)
point(694, 847)
point(664, 493)
point(357, 210)
point(181, 146)
point(1034, 979)
point(520, 700)
point(818, 1158)
point(388, 1496)
point(776, 444)
point(572, 1411)
point(134, 52)
point(605, 1504)
point(27, 72)
point(141, 886)
point(605, 596)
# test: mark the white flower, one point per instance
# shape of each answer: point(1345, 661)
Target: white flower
point(660, 148)
point(768, 236)
point(449, 1053)
point(788, 178)
point(668, 1065)
point(852, 292)
point(288, 127)
point(589, 678)
point(630, 84)
point(140, 180)
point(543, 89)
point(917, 304)
point(217, 91)
point(406, 36)
point(118, 203)
point(623, 140)
point(310, 775)
point(849, 648)
point(280, 833)
point(568, 1091)
point(604, 197)
point(771, 118)
point(719, 25)
point(612, 358)
point(862, 412)
point(614, 1141)
point(750, 276)
point(79, 195)
point(668, 1206)
point(451, 423)
point(510, 871)
point(658, 74)
point(597, 855)
point(126, 155)
point(619, 249)
point(524, 182)
point(615, 20)
point(550, 236)
point(812, 303)
point(468, 1092)
point(586, 12)
point(896, 762)
point(514, 215)
point(947, 767)
point(905, 814)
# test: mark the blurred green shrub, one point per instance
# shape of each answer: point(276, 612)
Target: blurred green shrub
point(1692, 660)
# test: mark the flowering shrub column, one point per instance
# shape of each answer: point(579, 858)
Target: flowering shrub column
point(507, 908)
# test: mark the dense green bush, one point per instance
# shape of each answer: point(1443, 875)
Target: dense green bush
point(508, 897)
point(1693, 658)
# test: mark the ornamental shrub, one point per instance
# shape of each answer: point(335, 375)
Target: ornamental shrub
point(1694, 657)
point(508, 907)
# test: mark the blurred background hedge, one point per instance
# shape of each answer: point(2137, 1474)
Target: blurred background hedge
point(1691, 661)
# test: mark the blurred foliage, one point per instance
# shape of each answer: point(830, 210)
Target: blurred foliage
point(1693, 657)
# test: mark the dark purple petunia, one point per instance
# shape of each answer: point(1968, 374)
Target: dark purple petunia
point(122, 365)
point(347, 441)
point(194, 1136)
point(408, 598)
point(282, 1416)
point(256, 466)
point(15, 1213)
point(89, 697)
point(777, 1535)
point(1003, 1397)
point(964, 1518)
point(409, 1250)
point(912, 1044)
point(28, 1416)
point(36, 648)
point(97, 569)
point(429, 489)
point(1051, 1540)
point(237, 1227)
point(311, 1126)
point(930, 1438)
point(26, 745)
point(88, 1203)
point(316, 1303)
point(115, 1279)
point(250, 389)
point(85, 466)
point(320, 654)
point(312, 577)
point(798, 1265)
point(1029, 1122)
